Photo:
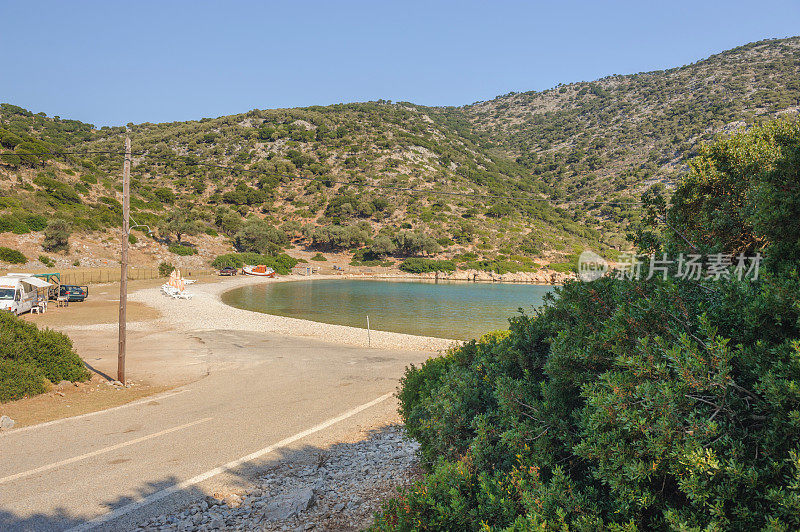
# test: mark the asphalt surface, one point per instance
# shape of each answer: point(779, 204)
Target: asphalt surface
point(265, 398)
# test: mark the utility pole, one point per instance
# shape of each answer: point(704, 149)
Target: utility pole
point(123, 281)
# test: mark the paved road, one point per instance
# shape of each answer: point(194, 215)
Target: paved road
point(273, 395)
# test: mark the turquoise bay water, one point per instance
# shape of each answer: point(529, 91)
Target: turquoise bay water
point(446, 309)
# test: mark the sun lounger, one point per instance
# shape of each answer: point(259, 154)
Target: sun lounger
point(174, 293)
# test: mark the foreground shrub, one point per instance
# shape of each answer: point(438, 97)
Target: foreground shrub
point(18, 380)
point(28, 355)
point(12, 256)
point(419, 265)
point(618, 405)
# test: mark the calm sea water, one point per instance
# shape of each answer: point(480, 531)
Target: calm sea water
point(457, 310)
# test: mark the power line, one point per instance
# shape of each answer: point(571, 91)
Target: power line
point(93, 152)
point(408, 190)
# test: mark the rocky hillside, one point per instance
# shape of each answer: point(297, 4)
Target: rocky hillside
point(535, 174)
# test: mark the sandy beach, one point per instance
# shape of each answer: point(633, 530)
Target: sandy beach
point(206, 311)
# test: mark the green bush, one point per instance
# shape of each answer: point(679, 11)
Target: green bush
point(183, 251)
point(56, 236)
point(319, 257)
point(419, 265)
point(12, 256)
point(29, 355)
point(132, 239)
point(18, 380)
point(602, 412)
point(47, 261)
point(498, 266)
point(59, 193)
point(282, 263)
point(562, 267)
point(232, 260)
point(12, 224)
point(165, 268)
point(366, 257)
point(36, 222)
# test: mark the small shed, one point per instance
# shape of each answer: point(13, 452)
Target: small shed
point(303, 269)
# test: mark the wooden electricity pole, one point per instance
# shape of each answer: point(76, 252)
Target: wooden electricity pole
point(123, 281)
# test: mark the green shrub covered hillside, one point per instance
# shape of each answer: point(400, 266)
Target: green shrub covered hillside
point(631, 404)
point(538, 174)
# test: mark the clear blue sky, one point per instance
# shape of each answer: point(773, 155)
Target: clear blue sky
point(113, 62)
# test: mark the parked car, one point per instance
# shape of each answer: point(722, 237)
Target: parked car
point(73, 292)
point(228, 270)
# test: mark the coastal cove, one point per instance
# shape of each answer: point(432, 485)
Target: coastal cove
point(444, 309)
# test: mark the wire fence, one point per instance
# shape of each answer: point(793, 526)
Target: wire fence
point(110, 275)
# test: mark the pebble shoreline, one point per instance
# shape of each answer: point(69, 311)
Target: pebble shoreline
point(206, 311)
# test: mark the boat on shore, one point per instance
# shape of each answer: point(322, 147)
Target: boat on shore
point(260, 271)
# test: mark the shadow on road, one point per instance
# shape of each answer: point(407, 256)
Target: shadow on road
point(348, 480)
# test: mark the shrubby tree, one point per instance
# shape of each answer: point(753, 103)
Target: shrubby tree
point(464, 232)
point(411, 243)
point(381, 246)
point(245, 195)
point(292, 228)
point(56, 236)
point(229, 222)
point(338, 237)
point(499, 211)
point(258, 236)
point(165, 195)
point(181, 222)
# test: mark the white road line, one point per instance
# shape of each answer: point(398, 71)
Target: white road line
point(74, 459)
point(119, 512)
point(89, 414)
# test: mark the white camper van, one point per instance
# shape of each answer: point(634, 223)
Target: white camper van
point(19, 292)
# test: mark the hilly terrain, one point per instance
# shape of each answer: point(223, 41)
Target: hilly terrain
point(533, 176)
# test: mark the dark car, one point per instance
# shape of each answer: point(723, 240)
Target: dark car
point(73, 292)
point(228, 270)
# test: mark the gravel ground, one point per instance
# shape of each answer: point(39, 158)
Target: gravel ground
point(339, 489)
point(206, 311)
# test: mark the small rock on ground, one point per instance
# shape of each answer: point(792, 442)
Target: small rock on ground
point(6, 423)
